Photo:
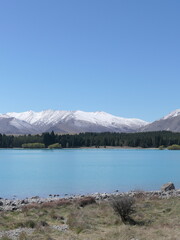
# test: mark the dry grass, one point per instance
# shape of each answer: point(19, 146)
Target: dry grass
point(157, 220)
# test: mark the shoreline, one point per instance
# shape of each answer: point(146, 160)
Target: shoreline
point(17, 204)
point(116, 147)
point(93, 147)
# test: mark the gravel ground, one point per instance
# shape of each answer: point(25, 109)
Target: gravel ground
point(14, 234)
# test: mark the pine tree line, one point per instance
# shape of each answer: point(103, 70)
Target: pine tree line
point(143, 139)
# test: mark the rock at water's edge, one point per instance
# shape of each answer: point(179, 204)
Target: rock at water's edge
point(167, 187)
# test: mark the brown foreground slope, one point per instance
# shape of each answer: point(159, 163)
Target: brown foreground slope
point(91, 218)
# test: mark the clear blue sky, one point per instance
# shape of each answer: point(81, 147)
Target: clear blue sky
point(117, 56)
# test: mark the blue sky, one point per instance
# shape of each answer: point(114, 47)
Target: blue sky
point(119, 56)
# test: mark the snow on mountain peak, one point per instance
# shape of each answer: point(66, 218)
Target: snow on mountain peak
point(106, 119)
point(172, 114)
point(50, 116)
point(4, 116)
point(77, 121)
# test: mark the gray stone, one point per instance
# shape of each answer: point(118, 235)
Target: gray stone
point(63, 227)
point(167, 187)
point(24, 201)
point(35, 197)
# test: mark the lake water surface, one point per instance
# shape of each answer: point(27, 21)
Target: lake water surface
point(25, 173)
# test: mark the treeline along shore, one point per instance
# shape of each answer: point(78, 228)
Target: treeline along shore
point(44, 140)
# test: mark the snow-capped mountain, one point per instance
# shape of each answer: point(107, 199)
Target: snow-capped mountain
point(170, 122)
point(66, 122)
point(79, 121)
point(11, 125)
point(172, 114)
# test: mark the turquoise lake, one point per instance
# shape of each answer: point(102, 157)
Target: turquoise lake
point(26, 173)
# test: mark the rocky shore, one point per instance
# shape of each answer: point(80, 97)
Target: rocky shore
point(167, 191)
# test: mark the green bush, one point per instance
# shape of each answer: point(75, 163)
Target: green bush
point(55, 146)
point(162, 147)
point(174, 147)
point(33, 145)
point(30, 224)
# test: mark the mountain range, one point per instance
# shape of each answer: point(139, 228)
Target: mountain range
point(170, 122)
point(31, 122)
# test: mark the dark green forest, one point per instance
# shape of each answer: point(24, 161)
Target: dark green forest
point(143, 139)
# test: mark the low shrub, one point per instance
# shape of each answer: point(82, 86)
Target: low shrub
point(56, 216)
point(86, 201)
point(42, 224)
point(63, 202)
point(27, 207)
point(162, 147)
point(33, 145)
point(30, 224)
point(57, 203)
point(174, 147)
point(123, 207)
point(55, 146)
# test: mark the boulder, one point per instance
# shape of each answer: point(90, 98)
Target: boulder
point(24, 201)
point(35, 197)
point(167, 187)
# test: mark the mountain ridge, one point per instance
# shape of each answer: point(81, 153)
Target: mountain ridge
point(170, 122)
point(59, 121)
point(71, 122)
